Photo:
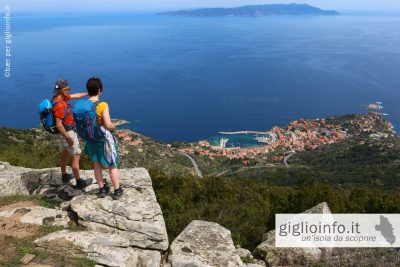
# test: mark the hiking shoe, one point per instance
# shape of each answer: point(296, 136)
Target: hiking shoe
point(103, 191)
point(82, 183)
point(66, 177)
point(118, 193)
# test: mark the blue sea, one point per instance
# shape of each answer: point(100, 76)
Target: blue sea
point(181, 78)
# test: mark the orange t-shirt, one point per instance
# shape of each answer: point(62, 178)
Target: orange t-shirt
point(62, 110)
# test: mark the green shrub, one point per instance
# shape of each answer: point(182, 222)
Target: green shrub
point(248, 208)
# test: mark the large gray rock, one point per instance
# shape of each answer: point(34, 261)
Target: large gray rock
point(126, 232)
point(248, 258)
point(137, 215)
point(204, 244)
point(25, 181)
point(244, 253)
point(105, 249)
point(11, 181)
point(289, 256)
point(39, 216)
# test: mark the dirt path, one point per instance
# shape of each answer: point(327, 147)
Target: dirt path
point(195, 166)
point(285, 160)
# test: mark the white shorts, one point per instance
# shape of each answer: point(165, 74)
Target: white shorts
point(63, 145)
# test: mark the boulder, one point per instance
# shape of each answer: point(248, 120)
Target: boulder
point(105, 249)
point(25, 181)
point(10, 180)
point(39, 215)
point(321, 208)
point(262, 264)
point(126, 232)
point(137, 215)
point(289, 256)
point(248, 258)
point(244, 253)
point(42, 215)
point(204, 244)
point(256, 263)
point(27, 259)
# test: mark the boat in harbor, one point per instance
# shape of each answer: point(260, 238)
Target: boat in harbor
point(223, 142)
point(375, 106)
point(262, 139)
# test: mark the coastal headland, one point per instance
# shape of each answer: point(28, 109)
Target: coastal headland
point(367, 134)
point(300, 135)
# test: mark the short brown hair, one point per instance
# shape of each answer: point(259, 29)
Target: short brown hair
point(93, 85)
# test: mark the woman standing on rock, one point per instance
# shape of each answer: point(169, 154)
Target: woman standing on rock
point(103, 153)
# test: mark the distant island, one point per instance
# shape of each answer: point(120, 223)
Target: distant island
point(255, 11)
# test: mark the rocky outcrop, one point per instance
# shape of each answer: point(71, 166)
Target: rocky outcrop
point(274, 256)
point(204, 244)
point(45, 182)
point(126, 232)
point(40, 216)
point(11, 181)
point(119, 231)
point(106, 249)
point(137, 216)
point(131, 231)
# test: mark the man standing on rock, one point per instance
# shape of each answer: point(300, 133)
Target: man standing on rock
point(68, 139)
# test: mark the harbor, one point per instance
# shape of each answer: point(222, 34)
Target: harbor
point(235, 140)
point(243, 132)
point(243, 139)
point(298, 135)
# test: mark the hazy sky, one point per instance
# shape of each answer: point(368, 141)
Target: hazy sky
point(156, 5)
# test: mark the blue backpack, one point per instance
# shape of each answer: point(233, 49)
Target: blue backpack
point(45, 109)
point(86, 121)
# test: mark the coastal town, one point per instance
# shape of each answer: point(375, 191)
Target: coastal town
point(299, 135)
point(275, 147)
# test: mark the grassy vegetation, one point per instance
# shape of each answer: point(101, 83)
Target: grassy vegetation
point(248, 208)
point(358, 175)
point(19, 247)
point(355, 162)
point(32, 149)
point(35, 148)
point(13, 248)
point(26, 246)
point(247, 259)
point(48, 203)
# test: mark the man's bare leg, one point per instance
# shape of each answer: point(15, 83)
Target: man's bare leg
point(63, 161)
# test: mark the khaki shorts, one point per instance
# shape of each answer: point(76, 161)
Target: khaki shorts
point(63, 145)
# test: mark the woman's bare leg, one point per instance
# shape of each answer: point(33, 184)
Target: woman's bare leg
point(98, 173)
point(114, 177)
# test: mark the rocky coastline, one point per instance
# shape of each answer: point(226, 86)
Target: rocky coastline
point(304, 134)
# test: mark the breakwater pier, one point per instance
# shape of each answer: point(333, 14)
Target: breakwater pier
point(243, 132)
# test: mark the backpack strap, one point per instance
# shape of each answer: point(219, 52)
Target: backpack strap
point(95, 105)
point(65, 109)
